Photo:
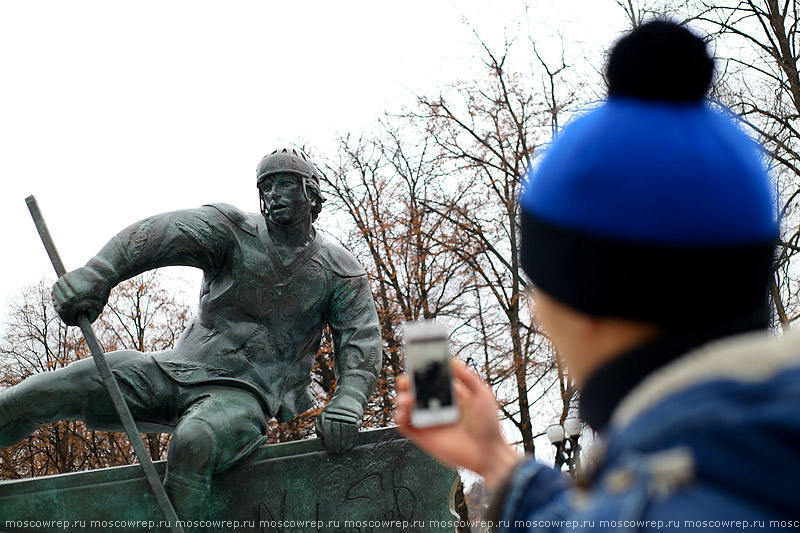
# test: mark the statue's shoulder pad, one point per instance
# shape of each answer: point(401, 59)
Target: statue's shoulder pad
point(245, 221)
point(339, 259)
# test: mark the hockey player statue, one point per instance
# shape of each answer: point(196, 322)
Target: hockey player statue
point(271, 283)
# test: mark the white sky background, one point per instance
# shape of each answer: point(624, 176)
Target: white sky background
point(113, 111)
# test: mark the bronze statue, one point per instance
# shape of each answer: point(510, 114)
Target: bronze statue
point(271, 283)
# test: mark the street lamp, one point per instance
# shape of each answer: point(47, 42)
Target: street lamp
point(556, 435)
point(572, 426)
point(565, 439)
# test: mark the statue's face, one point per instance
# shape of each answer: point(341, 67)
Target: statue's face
point(283, 196)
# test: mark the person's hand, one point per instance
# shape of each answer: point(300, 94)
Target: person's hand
point(475, 441)
point(82, 290)
point(338, 423)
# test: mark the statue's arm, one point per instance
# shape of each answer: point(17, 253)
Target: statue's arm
point(356, 337)
point(354, 325)
point(193, 237)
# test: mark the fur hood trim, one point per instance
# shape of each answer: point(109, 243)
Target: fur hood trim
point(751, 357)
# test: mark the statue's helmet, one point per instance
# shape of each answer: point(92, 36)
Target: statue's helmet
point(293, 161)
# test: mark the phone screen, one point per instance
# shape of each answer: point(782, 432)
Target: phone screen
point(428, 361)
point(431, 373)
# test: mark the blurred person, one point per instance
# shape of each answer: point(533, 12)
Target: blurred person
point(648, 230)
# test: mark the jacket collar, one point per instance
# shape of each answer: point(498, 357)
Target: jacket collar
point(752, 357)
point(604, 391)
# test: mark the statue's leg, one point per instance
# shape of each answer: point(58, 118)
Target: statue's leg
point(219, 429)
point(76, 392)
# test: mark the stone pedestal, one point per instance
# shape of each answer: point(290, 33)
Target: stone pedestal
point(384, 484)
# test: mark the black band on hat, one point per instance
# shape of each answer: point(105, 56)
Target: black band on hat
point(665, 284)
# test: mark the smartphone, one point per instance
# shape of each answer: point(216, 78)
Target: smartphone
point(427, 352)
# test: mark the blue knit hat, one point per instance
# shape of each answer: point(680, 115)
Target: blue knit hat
point(654, 205)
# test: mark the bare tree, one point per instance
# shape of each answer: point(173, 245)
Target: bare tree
point(487, 133)
point(37, 341)
point(637, 12)
point(143, 314)
point(381, 186)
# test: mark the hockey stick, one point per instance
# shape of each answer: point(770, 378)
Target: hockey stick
point(108, 379)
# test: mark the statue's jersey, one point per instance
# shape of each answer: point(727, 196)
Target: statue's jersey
point(259, 322)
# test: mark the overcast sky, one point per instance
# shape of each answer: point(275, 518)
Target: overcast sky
point(111, 111)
